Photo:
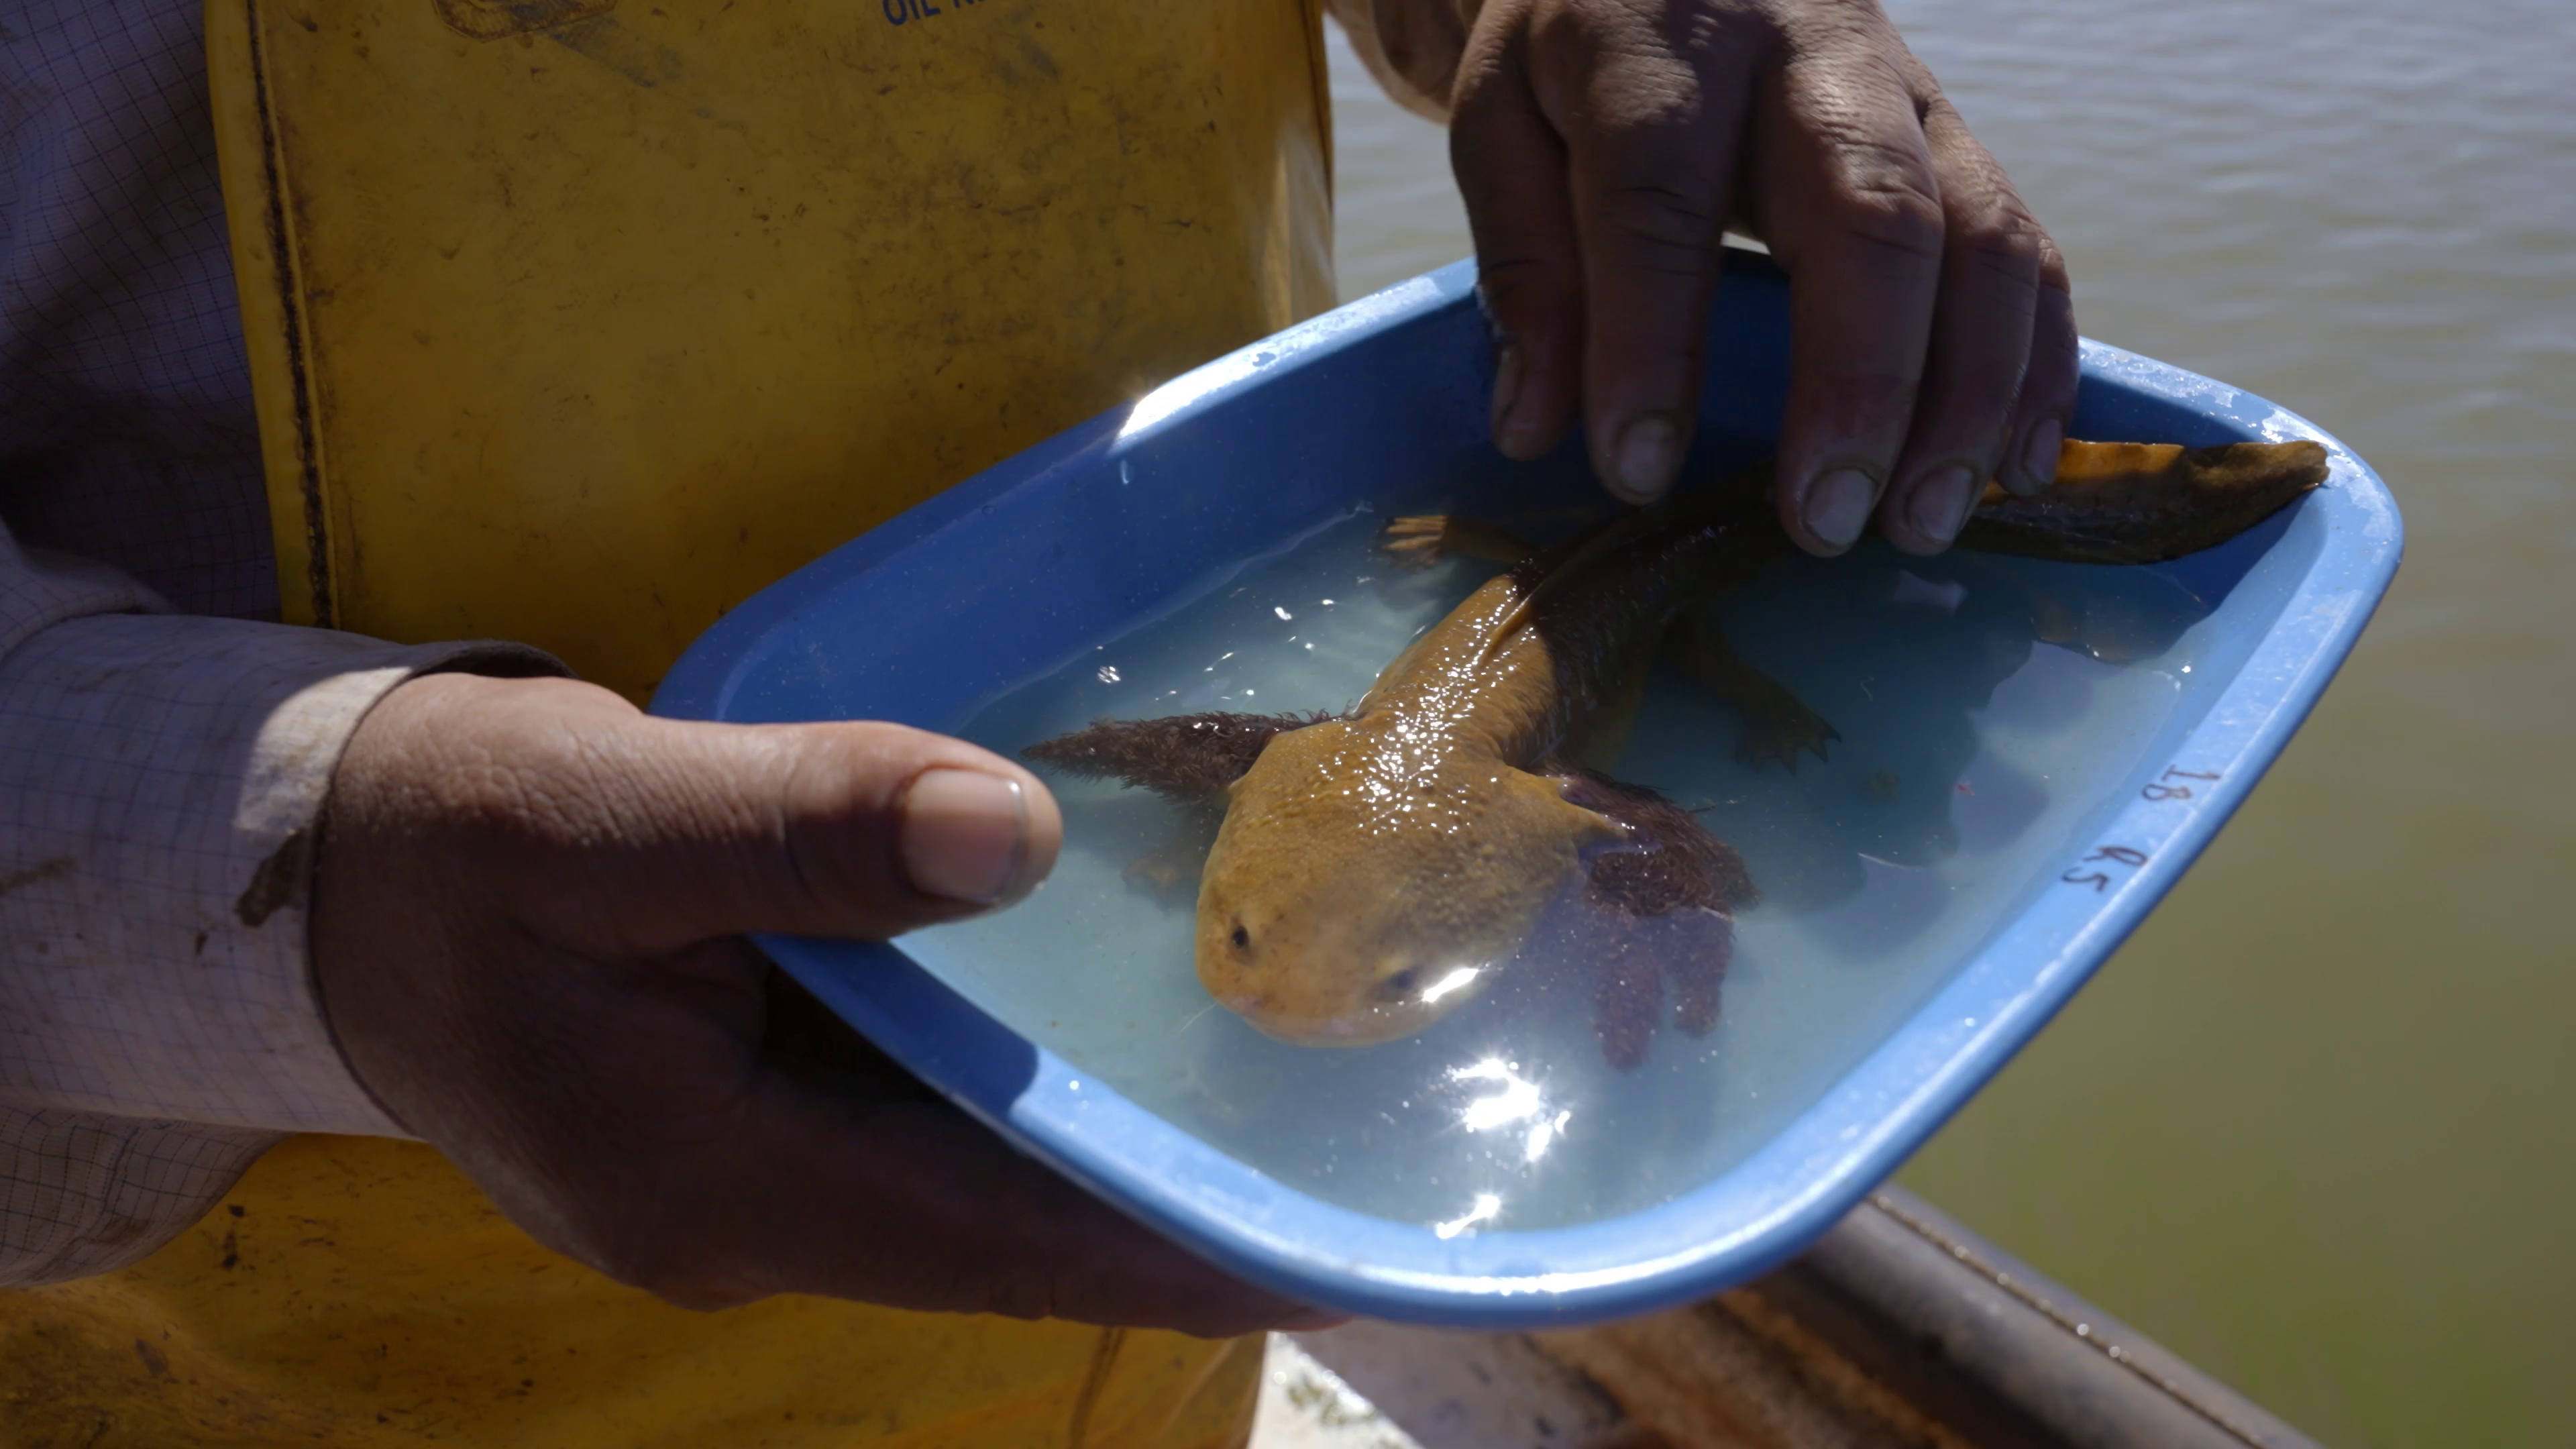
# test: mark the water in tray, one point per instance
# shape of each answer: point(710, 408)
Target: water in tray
point(1970, 748)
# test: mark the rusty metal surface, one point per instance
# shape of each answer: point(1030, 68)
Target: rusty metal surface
point(1900, 1329)
point(1977, 1339)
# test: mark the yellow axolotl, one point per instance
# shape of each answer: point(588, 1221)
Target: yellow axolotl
point(1375, 869)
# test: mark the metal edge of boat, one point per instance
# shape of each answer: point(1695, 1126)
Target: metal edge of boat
point(1898, 1328)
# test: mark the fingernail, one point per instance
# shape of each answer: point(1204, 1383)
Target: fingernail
point(1649, 453)
point(1507, 388)
point(1940, 502)
point(965, 835)
point(2039, 455)
point(1838, 506)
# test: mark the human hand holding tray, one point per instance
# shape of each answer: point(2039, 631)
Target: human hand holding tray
point(2029, 754)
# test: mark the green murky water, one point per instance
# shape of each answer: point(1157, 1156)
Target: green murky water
point(2316, 1126)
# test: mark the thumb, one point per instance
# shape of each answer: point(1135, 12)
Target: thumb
point(858, 830)
point(616, 833)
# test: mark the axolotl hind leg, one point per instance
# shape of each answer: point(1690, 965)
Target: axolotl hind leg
point(1778, 726)
point(1423, 539)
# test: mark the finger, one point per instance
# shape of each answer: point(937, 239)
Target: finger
point(714, 1159)
point(846, 1176)
point(2046, 407)
point(1851, 206)
point(1982, 325)
point(1652, 138)
point(914, 1205)
point(1511, 173)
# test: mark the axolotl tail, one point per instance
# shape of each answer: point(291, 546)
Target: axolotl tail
point(2137, 503)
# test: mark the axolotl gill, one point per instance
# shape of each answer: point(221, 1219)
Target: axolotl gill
point(1375, 869)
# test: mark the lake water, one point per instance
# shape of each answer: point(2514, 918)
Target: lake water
point(1970, 758)
point(2313, 1126)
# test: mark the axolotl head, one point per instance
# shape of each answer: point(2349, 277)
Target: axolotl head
point(1364, 885)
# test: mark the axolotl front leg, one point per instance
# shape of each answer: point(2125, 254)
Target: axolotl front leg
point(1654, 917)
point(1187, 759)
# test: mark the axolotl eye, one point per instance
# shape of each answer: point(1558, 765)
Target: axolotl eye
point(1242, 938)
point(1398, 985)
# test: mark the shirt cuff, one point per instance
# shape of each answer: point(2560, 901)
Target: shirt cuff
point(163, 777)
point(81, 1194)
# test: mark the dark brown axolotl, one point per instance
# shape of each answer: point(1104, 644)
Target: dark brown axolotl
point(1375, 869)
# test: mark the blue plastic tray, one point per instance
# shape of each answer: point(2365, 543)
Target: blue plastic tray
point(1014, 572)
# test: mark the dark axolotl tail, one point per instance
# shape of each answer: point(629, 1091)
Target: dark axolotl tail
point(2140, 503)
